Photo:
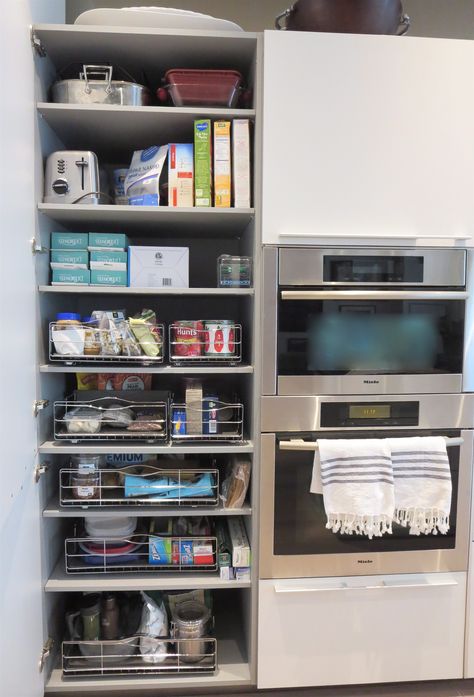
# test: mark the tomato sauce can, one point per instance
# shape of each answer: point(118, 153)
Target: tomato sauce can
point(186, 339)
point(219, 338)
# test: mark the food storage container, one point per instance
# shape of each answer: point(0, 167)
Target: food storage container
point(234, 272)
point(192, 621)
point(201, 87)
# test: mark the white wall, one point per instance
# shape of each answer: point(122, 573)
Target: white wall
point(443, 18)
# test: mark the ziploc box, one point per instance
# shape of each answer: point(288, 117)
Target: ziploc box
point(69, 259)
point(181, 175)
point(239, 542)
point(159, 550)
point(142, 183)
point(103, 241)
point(111, 260)
point(158, 267)
point(66, 277)
point(202, 164)
point(108, 277)
point(241, 162)
point(222, 173)
point(69, 240)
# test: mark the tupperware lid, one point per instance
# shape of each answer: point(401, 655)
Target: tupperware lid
point(119, 526)
point(68, 315)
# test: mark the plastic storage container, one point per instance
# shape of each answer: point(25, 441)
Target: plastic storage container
point(234, 272)
point(201, 87)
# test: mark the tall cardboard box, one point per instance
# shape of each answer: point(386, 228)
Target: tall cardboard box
point(180, 175)
point(241, 162)
point(202, 163)
point(222, 171)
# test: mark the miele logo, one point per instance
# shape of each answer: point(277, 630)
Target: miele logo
point(365, 561)
point(371, 382)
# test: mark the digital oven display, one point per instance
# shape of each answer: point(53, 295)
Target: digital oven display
point(370, 411)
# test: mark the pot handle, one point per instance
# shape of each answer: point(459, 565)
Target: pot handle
point(104, 70)
point(283, 15)
point(404, 25)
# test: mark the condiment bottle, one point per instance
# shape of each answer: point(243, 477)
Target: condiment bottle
point(66, 319)
point(109, 617)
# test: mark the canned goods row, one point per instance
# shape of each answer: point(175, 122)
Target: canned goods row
point(212, 338)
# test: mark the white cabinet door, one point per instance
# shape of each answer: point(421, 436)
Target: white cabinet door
point(21, 603)
point(368, 629)
point(367, 136)
point(469, 664)
point(469, 671)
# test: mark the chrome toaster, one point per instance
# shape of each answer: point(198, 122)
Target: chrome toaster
point(72, 176)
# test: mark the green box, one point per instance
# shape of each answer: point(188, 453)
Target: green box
point(67, 277)
point(202, 163)
point(112, 260)
point(100, 241)
point(108, 277)
point(69, 240)
point(74, 259)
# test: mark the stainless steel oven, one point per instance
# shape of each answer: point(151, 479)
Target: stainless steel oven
point(294, 540)
point(365, 321)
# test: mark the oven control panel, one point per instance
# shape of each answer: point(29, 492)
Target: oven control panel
point(353, 414)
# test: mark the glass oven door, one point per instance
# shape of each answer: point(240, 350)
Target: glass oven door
point(295, 541)
point(369, 341)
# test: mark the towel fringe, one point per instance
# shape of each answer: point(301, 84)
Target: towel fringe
point(426, 521)
point(370, 525)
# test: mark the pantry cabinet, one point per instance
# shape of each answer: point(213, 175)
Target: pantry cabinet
point(369, 629)
point(367, 137)
point(36, 587)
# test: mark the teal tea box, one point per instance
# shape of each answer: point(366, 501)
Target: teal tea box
point(100, 241)
point(108, 277)
point(69, 240)
point(111, 259)
point(66, 277)
point(73, 259)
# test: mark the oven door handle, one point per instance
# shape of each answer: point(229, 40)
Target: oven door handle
point(373, 295)
point(348, 236)
point(298, 444)
point(280, 588)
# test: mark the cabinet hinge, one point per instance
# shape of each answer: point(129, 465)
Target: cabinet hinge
point(45, 653)
point(36, 247)
point(40, 469)
point(36, 44)
point(39, 405)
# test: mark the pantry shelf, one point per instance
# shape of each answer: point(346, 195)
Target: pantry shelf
point(54, 510)
point(57, 448)
point(60, 581)
point(193, 222)
point(233, 671)
point(158, 370)
point(145, 49)
point(115, 131)
point(124, 290)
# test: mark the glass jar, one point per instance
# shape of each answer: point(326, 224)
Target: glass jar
point(92, 344)
point(67, 319)
point(85, 486)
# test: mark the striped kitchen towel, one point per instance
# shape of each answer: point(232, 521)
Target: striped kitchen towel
point(357, 484)
point(423, 485)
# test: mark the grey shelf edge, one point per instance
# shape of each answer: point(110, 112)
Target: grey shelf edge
point(54, 510)
point(61, 582)
point(58, 448)
point(228, 675)
point(126, 290)
point(57, 112)
point(221, 221)
point(158, 370)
